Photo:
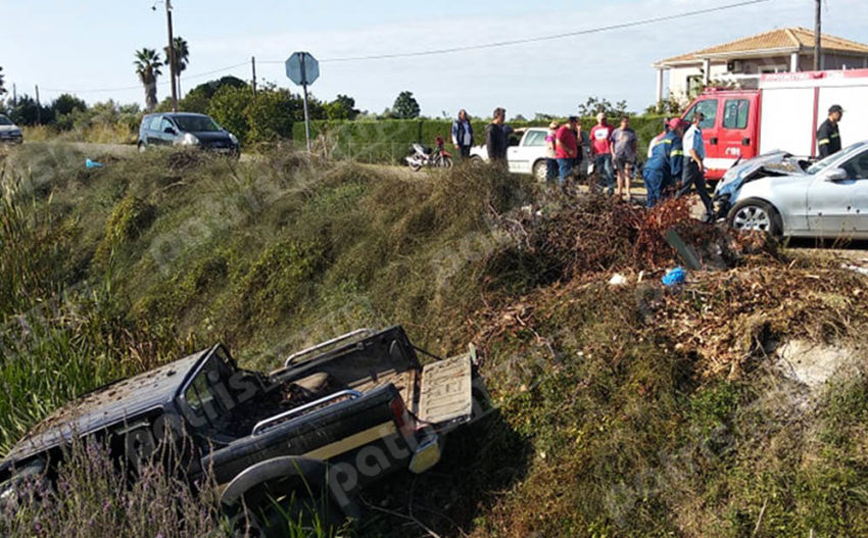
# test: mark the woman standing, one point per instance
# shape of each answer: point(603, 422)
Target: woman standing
point(462, 134)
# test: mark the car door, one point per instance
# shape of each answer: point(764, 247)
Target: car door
point(168, 132)
point(531, 148)
point(153, 130)
point(839, 208)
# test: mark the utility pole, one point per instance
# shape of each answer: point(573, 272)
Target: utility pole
point(817, 32)
point(172, 56)
point(253, 65)
point(14, 95)
point(38, 107)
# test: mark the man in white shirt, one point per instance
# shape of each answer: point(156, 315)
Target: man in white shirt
point(694, 169)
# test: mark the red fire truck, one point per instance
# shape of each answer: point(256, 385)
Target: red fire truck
point(782, 112)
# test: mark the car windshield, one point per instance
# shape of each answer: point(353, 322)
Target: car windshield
point(203, 394)
point(196, 124)
point(5, 121)
point(821, 165)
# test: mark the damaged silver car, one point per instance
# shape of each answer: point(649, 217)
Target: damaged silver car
point(787, 196)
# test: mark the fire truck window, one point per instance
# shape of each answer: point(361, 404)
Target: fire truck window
point(708, 107)
point(735, 113)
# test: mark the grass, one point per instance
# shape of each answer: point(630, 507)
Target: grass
point(612, 420)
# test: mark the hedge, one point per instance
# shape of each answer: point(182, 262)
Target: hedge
point(388, 141)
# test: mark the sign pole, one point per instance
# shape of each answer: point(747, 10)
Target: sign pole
point(306, 116)
point(303, 69)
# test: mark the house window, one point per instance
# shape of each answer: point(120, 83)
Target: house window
point(695, 85)
point(772, 69)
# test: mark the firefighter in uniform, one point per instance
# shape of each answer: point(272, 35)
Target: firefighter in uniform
point(828, 139)
point(664, 167)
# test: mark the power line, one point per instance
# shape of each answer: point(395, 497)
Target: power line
point(536, 39)
point(139, 86)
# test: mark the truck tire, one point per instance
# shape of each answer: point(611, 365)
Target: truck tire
point(285, 508)
point(755, 214)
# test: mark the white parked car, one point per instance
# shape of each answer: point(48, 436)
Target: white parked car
point(781, 195)
point(529, 155)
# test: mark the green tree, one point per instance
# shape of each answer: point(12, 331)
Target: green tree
point(406, 107)
point(27, 111)
point(66, 103)
point(342, 108)
point(182, 57)
point(229, 108)
point(148, 66)
point(594, 106)
point(271, 115)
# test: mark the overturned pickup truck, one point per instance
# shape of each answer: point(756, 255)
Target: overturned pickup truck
point(331, 420)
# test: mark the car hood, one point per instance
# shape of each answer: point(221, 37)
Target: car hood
point(9, 128)
point(208, 136)
point(774, 164)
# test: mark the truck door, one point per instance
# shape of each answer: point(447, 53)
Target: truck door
point(710, 126)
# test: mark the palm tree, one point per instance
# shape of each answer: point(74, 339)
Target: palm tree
point(148, 66)
point(182, 58)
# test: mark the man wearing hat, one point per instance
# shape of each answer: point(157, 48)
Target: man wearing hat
point(828, 139)
point(665, 164)
point(551, 157)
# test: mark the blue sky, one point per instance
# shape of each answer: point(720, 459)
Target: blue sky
point(82, 46)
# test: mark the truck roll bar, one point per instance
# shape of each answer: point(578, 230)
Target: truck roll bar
point(327, 343)
point(261, 425)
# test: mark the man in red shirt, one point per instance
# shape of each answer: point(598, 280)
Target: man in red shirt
point(601, 138)
point(566, 149)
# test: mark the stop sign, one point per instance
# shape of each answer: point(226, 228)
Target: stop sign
point(302, 68)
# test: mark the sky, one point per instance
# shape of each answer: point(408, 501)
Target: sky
point(86, 47)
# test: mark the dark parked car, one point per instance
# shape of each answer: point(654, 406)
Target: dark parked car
point(9, 132)
point(186, 129)
point(333, 418)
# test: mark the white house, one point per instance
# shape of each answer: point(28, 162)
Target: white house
point(783, 50)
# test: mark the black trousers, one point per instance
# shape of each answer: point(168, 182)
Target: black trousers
point(692, 176)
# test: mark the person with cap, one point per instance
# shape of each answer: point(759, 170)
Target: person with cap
point(694, 168)
point(601, 150)
point(658, 138)
point(566, 149)
point(828, 138)
point(462, 134)
point(551, 153)
point(665, 163)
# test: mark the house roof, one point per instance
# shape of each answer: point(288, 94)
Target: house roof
point(781, 41)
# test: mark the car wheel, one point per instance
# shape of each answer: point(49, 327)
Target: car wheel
point(476, 160)
point(539, 170)
point(754, 214)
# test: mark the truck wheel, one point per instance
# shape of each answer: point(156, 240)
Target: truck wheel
point(539, 170)
point(755, 214)
point(285, 509)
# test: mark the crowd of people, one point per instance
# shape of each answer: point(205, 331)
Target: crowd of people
point(674, 165)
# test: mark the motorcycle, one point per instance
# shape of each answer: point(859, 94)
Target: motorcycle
point(425, 156)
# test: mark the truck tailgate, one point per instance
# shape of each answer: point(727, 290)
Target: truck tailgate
point(446, 390)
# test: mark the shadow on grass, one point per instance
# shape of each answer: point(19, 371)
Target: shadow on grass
point(479, 463)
